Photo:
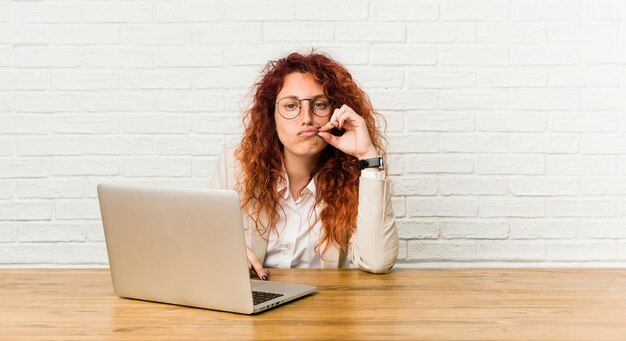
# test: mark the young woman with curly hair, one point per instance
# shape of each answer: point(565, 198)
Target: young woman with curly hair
point(310, 171)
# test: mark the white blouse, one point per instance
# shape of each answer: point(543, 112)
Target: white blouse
point(292, 245)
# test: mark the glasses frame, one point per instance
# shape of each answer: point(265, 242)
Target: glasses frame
point(311, 100)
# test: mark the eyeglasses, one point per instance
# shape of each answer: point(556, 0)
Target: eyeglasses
point(289, 107)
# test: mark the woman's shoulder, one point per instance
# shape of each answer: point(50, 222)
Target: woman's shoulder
point(227, 167)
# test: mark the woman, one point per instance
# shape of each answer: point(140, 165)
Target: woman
point(309, 171)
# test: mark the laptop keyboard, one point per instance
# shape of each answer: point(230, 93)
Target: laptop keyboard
point(262, 296)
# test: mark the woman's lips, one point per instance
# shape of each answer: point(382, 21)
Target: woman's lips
point(308, 132)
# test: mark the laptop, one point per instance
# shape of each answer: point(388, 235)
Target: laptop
point(184, 247)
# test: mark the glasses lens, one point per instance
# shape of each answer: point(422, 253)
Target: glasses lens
point(322, 106)
point(289, 107)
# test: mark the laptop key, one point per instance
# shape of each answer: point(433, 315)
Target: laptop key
point(262, 296)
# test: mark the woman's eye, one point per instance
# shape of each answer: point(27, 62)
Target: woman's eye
point(291, 106)
point(320, 105)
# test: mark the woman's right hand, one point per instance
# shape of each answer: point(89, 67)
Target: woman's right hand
point(254, 264)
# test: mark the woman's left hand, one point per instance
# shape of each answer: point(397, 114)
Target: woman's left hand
point(356, 139)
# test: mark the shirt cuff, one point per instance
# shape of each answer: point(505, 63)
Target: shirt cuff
point(373, 175)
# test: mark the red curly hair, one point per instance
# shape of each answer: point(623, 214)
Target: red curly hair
point(336, 175)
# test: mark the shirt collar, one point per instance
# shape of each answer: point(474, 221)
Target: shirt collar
point(282, 187)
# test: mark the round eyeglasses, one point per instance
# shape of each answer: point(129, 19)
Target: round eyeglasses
point(289, 107)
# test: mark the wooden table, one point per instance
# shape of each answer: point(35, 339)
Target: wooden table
point(459, 304)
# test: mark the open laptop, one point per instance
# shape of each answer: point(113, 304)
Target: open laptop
point(185, 247)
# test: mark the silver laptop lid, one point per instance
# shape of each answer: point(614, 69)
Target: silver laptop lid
point(179, 246)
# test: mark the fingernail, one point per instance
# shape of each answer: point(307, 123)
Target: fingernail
point(264, 277)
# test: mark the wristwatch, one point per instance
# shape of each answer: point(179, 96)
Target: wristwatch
point(378, 162)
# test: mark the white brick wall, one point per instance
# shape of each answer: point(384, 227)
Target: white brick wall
point(506, 118)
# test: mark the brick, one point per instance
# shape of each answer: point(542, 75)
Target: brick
point(415, 185)
point(413, 143)
point(438, 32)
point(75, 166)
point(157, 79)
point(511, 32)
point(21, 34)
point(602, 100)
point(259, 11)
point(474, 229)
point(585, 207)
point(345, 53)
point(510, 164)
point(226, 33)
point(120, 145)
point(197, 11)
point(47, 57)
point(161, 124)
point(72, 209)
point(23, 80)
point(552, 143)
point(581, 250)
point(417, 229)
point(603, 144)
point(27, 254)
point(545, 99)
point(543, 229)
point(602, 53)
point(583, 32)
point(6, 56)
point(603, 229)
point(418, 164)
point(402, 54)
point(118, 58)
point(473, 100)
point(394, 122)
point(621, 165)
point(95, 231)
point(442, 207)
point(48, 103)
point(395, 164)
point(202, 146)
point(458, 10)
point(217, 124)
point(24, 168)
point(135, 12)
point(6, 11)
point(87, 124)
point(26, 210)
point(80, 253)
point(399, 206)
point(299, 31)
point(85, 81)
point(441, 121)
point(603, 186)
point(45, 13)
point(121, 101)
point(603, 10)
point(403, 100)
point(472, 142)
point(512, 78)
point(530, 122)
point(156, 166)
point(8, 189)
point(580, 165)
point(513, 207)
point(583, 123)
point(510, 250)
point(473, 56)
point(426, 250)
point(544, 56)
point(370, 32)
point(377, 77)
point(224, 78)
point(8, 231)
point(203, 166)
point(193, 57)
point(6, 104)
point(56, 145)
point(404, 10)
point(543, 186)
point(471, 185)
point(189, 101)
point(349, 10)
point(95, 34)
point(24, 124)
point(154, 34)
point(441, 78)
point(535, 10)
point(51, 232)
point(598, 76)
point(49, 189)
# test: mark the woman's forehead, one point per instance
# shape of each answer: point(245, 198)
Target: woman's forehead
point(300, 85)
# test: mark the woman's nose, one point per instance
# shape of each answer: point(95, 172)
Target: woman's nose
point(306, 113)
